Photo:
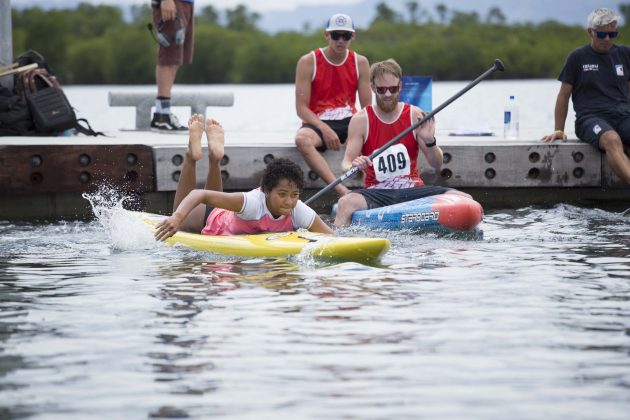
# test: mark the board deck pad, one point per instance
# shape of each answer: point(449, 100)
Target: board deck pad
point(279, 244)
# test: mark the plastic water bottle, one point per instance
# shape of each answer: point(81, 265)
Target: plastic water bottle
point(510, 119)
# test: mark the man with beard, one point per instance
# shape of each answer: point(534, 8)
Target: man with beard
point(326, 84)
point(393, 175)
point(596, 77)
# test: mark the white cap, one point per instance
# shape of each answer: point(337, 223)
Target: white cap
point(340, 22)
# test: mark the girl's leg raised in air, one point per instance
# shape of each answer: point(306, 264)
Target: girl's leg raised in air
point(216, 142)
point(194, 222)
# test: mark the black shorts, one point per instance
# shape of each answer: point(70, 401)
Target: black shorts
point(339, 126)
point(386, 197)
point(589, 129)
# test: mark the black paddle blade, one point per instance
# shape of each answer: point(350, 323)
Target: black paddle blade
point(498, 64)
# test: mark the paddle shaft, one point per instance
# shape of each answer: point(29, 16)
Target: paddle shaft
point(8, 70)
point(498, 65)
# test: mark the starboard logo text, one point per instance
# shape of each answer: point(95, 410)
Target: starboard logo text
point(424, 216)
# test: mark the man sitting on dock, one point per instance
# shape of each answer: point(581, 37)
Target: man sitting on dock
point(326, 84)
point(393, 175)
point(596, 77)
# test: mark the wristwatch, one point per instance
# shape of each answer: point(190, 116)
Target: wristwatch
point(431, 144)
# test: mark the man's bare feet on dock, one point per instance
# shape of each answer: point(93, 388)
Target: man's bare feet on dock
point(195, 130)
point(216, 139)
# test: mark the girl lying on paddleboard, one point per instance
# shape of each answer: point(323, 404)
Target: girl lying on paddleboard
point(274, 207)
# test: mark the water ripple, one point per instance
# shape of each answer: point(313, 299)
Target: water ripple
point(527, 318)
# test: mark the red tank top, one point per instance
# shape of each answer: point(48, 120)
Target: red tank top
point(334, 87)
point(397, 166)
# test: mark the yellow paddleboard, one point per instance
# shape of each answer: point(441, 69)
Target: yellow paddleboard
point(278, 244)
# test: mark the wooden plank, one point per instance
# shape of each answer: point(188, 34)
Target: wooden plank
point(75, 168)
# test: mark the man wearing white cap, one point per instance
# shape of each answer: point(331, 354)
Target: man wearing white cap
point(597, 77)
point(326, 84)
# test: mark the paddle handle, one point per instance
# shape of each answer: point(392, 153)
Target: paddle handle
point(11, 70)
point(497, 65)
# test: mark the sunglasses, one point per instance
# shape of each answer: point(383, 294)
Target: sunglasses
point(347, 36)
point(602, 35)
point(382, 89)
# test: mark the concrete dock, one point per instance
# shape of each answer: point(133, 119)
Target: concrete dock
point(45, 177)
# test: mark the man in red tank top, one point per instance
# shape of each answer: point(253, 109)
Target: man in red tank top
point(326, 84)
point(392, 177)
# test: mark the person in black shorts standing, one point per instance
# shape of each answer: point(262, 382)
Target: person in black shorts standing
point(597, 77)
point(326, 84)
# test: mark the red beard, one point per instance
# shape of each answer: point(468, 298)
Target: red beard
point(387, 106)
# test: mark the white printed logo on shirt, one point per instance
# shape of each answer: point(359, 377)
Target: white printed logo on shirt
point(619, 69)
point(336, 113)
point(597, 129)
point(392, 162)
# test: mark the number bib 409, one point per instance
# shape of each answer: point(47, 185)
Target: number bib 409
point(392, 162)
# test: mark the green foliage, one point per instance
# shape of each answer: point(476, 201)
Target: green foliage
point(495, 15)
point(386, 14)
point(133, 60)
point(239, 19)
point(209, 15)
point(141, 13)
point(214, 56)
point(94, 45)
point(92, 57)
point(267, 60)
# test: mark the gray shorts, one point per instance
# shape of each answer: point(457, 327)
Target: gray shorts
point(386, 197)
point(589, 129)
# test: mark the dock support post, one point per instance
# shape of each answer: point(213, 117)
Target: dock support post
point(6, 41)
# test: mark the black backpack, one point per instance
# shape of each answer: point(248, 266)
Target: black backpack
point(50, 109)
point(15, 116)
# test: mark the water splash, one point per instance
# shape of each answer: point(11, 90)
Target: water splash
point(124, 229)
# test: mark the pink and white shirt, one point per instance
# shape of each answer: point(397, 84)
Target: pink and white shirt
point(255, 217)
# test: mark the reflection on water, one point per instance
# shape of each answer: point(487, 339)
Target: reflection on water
point(528, 318)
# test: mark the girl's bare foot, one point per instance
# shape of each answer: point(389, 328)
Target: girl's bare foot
point(195, 130)
point(216, 139)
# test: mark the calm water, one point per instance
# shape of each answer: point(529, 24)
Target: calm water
point(529, 318)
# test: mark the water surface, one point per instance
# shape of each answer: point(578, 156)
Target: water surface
point(527, 319)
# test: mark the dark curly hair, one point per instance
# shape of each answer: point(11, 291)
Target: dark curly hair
point(279, 169)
